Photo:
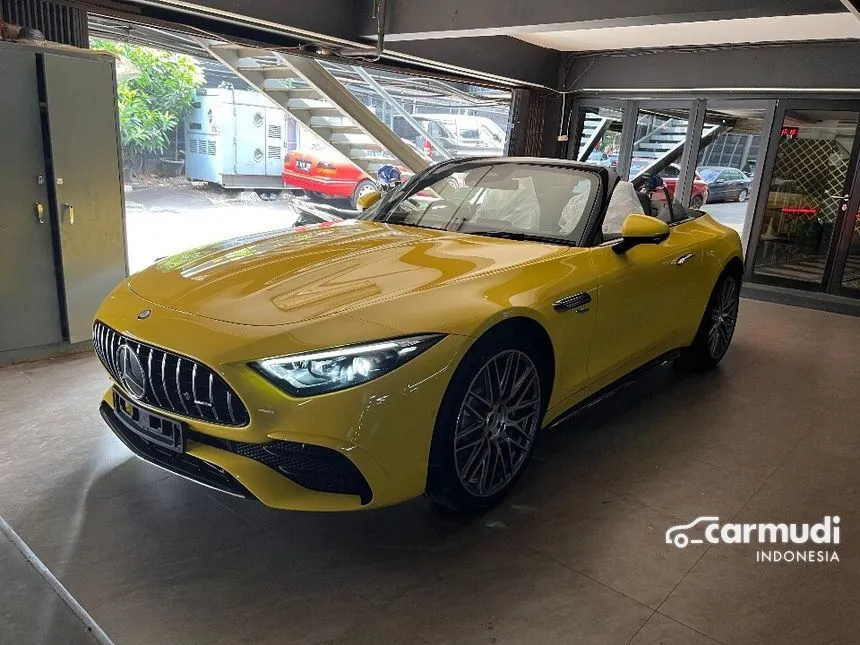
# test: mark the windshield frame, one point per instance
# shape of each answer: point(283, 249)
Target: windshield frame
point(383, 209)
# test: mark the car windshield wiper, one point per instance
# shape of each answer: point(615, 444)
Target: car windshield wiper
point(522, 237)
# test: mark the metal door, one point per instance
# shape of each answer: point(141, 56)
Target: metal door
point(81, 103)
point(29, 301)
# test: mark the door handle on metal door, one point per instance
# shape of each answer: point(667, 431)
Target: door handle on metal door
point(40, 212)
point(71, 211)
point(684, 258)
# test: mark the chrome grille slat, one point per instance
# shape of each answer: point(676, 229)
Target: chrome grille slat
point(164, 379)
point(212, 400)
point(194, 389)
point(230, 406)
point(217, 404)
point(112, 352)
point(149, 373)
point(179, 386)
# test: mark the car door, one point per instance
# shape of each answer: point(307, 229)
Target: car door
point(719, 187)
point(640, 298)
point(737, 181)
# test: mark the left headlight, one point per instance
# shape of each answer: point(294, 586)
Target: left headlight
point(342, 367)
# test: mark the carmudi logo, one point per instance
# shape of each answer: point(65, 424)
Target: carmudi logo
point(707, 529)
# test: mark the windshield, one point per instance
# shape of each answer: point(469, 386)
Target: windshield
point(497, 199)
point(709, 174)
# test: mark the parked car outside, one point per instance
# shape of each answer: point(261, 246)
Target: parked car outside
point(699, 195)
point(324, 173)
point(600, 158)
point(464, 136)
point(726, 183)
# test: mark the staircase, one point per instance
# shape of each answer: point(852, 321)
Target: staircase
point(320, 103)
point(593, 129)
point(664, 144)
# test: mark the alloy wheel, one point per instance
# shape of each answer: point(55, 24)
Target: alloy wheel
point(724, 317)
point(497, 422)
point(744, 195)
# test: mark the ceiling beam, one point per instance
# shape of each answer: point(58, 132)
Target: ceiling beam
point(409, 20)
point(331, 25)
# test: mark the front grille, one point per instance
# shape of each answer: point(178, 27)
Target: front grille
point(174, 383)
point(313, 467)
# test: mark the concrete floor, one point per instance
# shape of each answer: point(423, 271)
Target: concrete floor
point(576, 555)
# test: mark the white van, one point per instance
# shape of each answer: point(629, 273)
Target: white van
point(463, 136)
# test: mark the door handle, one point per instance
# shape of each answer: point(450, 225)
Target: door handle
point(684, 258)
point(40, 212)
point(577, 301)
point(71, 212)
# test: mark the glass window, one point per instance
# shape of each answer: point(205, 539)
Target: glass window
point(731, 139)
point(600, 139)
point(709, 174)
point(806, 194)
point(661, 135)
point(504, 200)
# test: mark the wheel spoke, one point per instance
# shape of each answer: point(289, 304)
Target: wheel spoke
point(496, 423)
point(473, 459)
point(480, 399)
point(462, 440)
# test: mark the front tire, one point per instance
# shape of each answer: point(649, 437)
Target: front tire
point(743, 195)
point(487, 424)
point(717, 327)
point(363, 187)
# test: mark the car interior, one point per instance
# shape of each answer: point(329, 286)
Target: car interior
point(539, 201)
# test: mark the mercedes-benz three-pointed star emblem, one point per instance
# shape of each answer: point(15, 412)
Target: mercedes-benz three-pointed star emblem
point(130, 371)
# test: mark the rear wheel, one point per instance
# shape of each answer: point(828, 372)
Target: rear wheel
point(363, 187)
point(487, 424)
point(743, 195)
point(717, 327)
point(697, 202)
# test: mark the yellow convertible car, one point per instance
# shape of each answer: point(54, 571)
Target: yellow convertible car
point(420, 348)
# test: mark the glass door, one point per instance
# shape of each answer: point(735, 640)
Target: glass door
point(804, 239)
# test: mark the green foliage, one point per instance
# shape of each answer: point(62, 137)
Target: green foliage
point(151, 104)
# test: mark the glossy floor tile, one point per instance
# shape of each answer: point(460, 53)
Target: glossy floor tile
point(577, 554)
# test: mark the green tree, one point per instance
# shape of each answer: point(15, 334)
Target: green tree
point(153, 103)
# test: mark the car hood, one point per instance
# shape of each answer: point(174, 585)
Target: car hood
point(284, 277)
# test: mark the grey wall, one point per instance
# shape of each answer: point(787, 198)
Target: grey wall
point(416, 19)
point(798, 65)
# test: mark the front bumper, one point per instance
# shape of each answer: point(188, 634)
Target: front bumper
point(381, 429)
point(325, 185)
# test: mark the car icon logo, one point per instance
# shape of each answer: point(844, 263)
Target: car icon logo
point(143, 315)
point(676, 535)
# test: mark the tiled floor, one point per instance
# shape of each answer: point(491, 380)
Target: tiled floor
point(576, 555)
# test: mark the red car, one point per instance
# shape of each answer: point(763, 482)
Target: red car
point(324, 173)
point(699, 195)
point(669, 175)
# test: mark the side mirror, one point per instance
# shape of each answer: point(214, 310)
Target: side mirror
point(368, 199)
point(641, 229)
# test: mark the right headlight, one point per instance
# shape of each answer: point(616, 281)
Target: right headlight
point(341, 367)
